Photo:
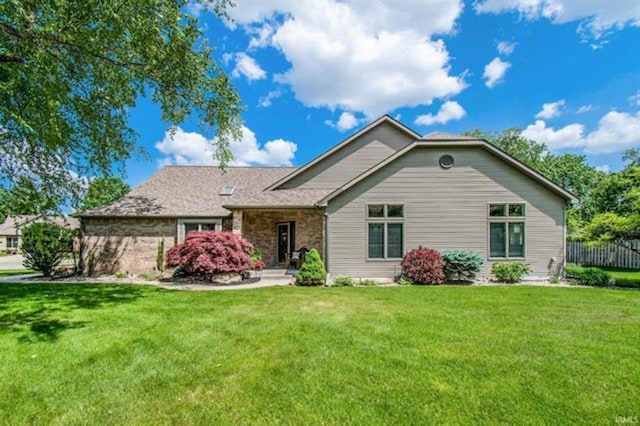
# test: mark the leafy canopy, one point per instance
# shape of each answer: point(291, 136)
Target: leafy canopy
point(25, 197)
point(70, 71)
point(101, 191)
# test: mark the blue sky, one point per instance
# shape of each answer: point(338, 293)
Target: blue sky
point(312, 72)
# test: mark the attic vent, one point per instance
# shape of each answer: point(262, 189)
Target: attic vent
point(227, 190)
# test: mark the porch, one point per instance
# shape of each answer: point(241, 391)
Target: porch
point(280, 233)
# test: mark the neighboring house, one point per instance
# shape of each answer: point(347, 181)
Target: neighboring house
point(11, 229)
point(362, 204)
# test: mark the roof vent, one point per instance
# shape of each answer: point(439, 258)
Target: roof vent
point(227, 190)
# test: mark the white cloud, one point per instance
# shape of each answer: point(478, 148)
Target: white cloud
point(506, 48)
point(604, 168)
point(362, 56)
point(266, 100)
point(551, 110)
point(597, 17)
point(450, 110)
point(635, 99)
point(570, 136)
point(495, 71)
point(191, 148)
point(585, 108)
point(616, 132)
point(262, 36)
point(345, 122)
point(247, 66)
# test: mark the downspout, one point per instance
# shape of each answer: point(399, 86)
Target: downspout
point(325, 237)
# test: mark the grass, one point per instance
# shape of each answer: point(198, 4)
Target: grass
point(11, 272)
point(136, 354)
point(624, 277)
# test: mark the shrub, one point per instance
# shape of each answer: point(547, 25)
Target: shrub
point(423, 266)
point(461, 265)
point(256, 255)
point(121, 275)
point(367, 283)
point(258, 265)
point(312, 271)
point(160, 255)
point(149, 275)
point(510, 272)
point(593, 277)
point(343, 282)
point(405, 281)
point(44, 245)
point(207, 253)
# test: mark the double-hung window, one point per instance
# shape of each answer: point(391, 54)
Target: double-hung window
point(385, 231)
point(507, 231)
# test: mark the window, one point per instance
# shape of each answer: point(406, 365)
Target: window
point(385, 239)
point(185, 226)
point(227, 190)
point(12, 242)
point(507, 230)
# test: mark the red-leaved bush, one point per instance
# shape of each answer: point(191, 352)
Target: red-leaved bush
point(207, 253)
point(423, 266)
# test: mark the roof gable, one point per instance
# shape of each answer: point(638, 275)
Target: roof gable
point(327, 155)
point(451, 141)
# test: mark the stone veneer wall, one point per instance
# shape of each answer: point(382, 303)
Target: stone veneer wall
point(125, 244)
point(259, 228)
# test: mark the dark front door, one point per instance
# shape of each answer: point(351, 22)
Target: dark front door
point(284, 241)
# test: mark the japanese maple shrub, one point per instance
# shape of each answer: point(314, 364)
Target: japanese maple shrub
point(423, 266)
point(312, 271)
point(207, 253)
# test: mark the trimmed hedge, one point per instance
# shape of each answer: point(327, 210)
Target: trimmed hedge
point(593, 277)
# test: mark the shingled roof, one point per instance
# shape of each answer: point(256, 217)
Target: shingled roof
point(194, 191)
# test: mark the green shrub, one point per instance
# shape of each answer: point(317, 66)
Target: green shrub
point(160, 255)
point(367, 283)
point(554, 280)
point(342, 281)
point(461, 265)
point(44, 245)
point(149, 275)
point(120, 275)
point(312, 272)
point(405, 281)
point(592, 277)
point(572, 270)
point(510, 272)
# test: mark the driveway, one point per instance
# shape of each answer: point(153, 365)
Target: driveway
point(13, 261)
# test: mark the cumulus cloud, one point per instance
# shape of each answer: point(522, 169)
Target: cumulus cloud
point(635, 99)
point(604, 168)
point(495, 71)
point(616, 132)
point(248, 67)
point(551, 110)
point(450, 110)
point(192, 148)
point(506, 48)
point(596, 17)
point(266, 100)
point(362, 56)
point(585, 108)
point(345, 122)
point(570, 136)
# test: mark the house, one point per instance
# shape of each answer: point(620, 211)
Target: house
point(363, 203)
point(11, 229)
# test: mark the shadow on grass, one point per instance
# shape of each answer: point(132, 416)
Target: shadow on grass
point(40, 312)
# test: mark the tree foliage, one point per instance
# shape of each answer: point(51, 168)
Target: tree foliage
point(44, 246)
point(312, 272)
point(101, 191)
point(70, 71)
point(26, 197)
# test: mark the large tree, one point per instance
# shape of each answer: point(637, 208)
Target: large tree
point(101, 191)
point(26, 197)
point(71, 70)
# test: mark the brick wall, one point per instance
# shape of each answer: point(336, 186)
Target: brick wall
point(125, 244)
point(259, 228)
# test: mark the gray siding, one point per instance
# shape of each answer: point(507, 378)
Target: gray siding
point(353, 159)
point(444, 209)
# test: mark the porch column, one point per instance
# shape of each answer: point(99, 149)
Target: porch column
point(236, 226)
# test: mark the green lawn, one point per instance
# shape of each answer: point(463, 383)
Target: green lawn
point(134, 354)
point(624, 277)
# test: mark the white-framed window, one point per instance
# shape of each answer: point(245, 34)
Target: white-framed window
point(191, 225)
point(385, 231)
point(12, 242)
point(507, 233)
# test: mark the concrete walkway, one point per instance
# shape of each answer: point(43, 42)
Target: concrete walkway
point(13, 261)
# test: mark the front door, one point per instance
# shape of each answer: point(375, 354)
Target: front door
point(284, 241)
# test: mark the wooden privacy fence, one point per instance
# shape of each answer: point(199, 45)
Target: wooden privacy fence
point(610, 255)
